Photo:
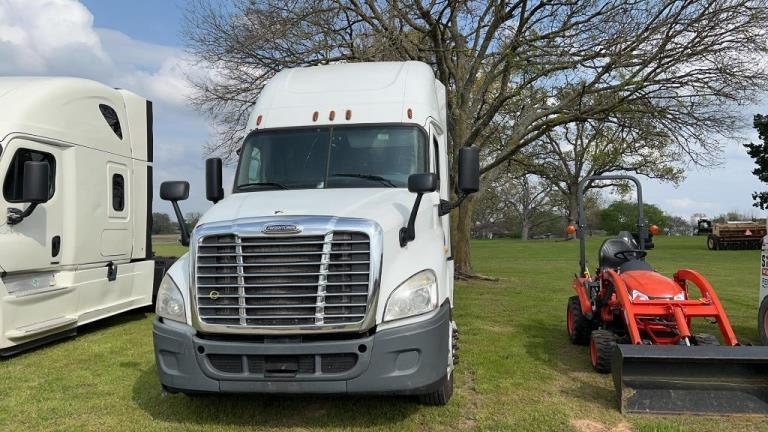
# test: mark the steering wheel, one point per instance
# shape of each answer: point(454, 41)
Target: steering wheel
point(636, 254)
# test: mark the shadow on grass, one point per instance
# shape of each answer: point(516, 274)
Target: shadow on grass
point(309, 412)
point(548, 344)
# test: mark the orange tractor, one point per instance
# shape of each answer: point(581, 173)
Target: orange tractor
point(637, 324)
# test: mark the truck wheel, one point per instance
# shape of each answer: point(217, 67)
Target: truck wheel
point(762, 321)
point(705, 339)
point(601, 349)
point(579, 326)
point(441, 396)
point(713, 243)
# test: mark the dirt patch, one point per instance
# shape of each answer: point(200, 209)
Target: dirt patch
point(594, 426)
point(474, 400)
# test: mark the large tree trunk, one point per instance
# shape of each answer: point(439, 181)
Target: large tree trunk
point(573, 209)
point(461, 223)
point(524, 230)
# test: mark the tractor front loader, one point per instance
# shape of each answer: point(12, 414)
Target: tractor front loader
point(637, 324)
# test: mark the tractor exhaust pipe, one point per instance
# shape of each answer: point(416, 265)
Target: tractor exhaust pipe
point(674, 379)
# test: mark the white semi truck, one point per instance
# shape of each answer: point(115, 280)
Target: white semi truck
point(329, 268)
point(75, 208)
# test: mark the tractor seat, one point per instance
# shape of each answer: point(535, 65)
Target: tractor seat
point(608, 260)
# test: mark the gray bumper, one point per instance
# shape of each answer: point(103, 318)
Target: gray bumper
point(411, 359)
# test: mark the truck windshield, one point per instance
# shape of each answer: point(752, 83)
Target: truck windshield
point(338, 157)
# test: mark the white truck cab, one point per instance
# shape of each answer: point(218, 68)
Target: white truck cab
point(75, 207)
point(329, 267)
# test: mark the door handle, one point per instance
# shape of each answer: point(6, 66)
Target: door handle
point(55, 246)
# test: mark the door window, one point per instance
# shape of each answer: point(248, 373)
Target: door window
point(118, 192)
point(14, 179)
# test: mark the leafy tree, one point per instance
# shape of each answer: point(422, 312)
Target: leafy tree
point(514, 70)
point(568, 154)
point(622, 216)
point(192, 218)
point(759, 152)
point(161, 224)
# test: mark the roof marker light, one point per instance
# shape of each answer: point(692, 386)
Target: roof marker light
point(314, 116)
point(258, 120)
point(348, 115)
point(410, 113)
point(332, 115)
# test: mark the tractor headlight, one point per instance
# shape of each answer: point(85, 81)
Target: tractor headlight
point(679, 296)
point(170, 303)
point(637, 295)
point(416, 296)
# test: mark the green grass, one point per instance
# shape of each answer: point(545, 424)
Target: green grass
point(517, 370)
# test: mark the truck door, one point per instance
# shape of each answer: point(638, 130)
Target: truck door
point(35, 243)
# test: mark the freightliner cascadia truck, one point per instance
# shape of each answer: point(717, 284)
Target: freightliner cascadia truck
point(328, 269)
point(75, 207)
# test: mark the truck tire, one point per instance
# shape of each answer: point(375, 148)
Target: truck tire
point(601, 350)
point(440, 396)
point(579, 327)
point(713, 242)
point(762, 321)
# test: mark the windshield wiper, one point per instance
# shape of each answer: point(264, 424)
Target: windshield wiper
point(273, 184)
point(377, 178)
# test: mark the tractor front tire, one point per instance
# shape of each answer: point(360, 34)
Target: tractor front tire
point(762, 321)
point(705, 339)
point(579, 326)
point(601, 347)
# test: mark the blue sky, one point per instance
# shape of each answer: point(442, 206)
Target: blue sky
point(136, 45)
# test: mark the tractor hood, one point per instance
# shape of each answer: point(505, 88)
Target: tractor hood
point(389, 207)
point(652, 284)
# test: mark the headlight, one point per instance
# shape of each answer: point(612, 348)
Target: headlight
point(637, 295)
point(170, 303)
point(679, 296)
point(415, 296)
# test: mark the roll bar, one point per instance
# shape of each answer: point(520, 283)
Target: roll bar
point(641, 225)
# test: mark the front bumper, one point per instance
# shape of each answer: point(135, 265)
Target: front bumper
point(412, 359)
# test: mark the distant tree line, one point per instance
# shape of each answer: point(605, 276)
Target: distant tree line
point(163, 224)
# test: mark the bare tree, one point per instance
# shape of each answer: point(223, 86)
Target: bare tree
point(570, 153)
point(514, 69)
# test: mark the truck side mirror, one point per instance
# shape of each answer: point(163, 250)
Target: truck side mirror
point(213, 190)
point(34, 190)
point(469, 170)
point(35, 182)
point(422, 183)
point(175, 191)
point(418, 184)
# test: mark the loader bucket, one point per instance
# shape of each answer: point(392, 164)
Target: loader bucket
point(673, 379)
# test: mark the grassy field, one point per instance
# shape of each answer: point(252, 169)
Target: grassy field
point(517, 371)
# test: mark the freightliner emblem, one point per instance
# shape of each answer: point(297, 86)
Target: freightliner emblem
point(281, 228)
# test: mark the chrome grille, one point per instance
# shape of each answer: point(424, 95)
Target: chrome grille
point(270, 281)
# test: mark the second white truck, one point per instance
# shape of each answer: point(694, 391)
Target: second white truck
point(329, 267)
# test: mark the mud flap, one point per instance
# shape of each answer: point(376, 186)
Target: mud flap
point(662, 379)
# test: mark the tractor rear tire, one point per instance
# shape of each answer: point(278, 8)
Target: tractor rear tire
point(705, 339)
point(713, 242)
point(762, 321)
point(601, 347)
point(579, 326)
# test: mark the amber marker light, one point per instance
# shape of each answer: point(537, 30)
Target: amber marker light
point(258, 120)
point(654, 229)
point(570, 230)
point(348, 115)
point(410, 113)
point(332, 115)
point(314, 116)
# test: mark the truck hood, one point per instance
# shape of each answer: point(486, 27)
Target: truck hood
point(389, 207)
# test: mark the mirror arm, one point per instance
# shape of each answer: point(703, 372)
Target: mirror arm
point(182, 224)
point(15, 215)
point(408, 234)
point(447, 206)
